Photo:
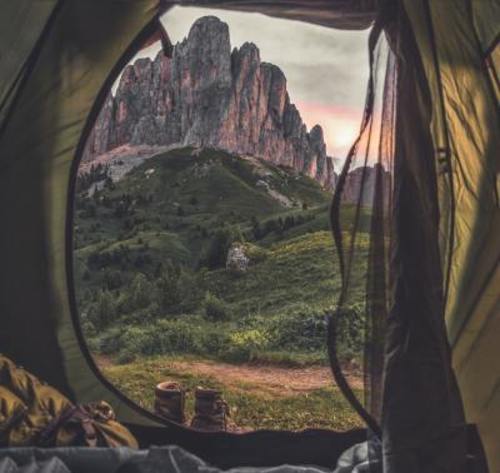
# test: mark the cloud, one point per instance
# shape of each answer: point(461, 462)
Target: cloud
point(340, 124)
point(326, 69)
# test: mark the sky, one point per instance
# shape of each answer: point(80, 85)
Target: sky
point(326, 69)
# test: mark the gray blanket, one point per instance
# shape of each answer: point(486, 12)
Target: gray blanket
point(169, 459)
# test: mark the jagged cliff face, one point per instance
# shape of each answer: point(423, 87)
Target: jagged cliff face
point(209, 96)
point(360, 184)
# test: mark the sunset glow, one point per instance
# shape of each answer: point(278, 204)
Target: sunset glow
point(340, 125)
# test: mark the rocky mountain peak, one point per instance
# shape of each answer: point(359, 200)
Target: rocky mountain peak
point(207, 95)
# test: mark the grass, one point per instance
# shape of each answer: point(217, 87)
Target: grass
point(319, 408)
point(168, 210)
point(298, 271)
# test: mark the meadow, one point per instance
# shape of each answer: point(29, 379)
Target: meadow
point(157, 299)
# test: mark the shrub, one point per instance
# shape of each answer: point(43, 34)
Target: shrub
point(255, 253)
point(139, 295)
point(350, 328)
point(112, 279)
point(178, 290)
point(109, 342)
point(87, 326)
point(243, 345)
point(103, 311)
point(215, 309)
point(303, 329)
point(190, 293)
point(168, 288)
point(163, 337)
point(126, 356)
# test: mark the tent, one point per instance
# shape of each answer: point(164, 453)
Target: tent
point(432, 293)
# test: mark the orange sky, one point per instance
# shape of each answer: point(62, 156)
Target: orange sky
point(340, 124)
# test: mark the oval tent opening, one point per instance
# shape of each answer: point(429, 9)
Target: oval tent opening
point(203, 259)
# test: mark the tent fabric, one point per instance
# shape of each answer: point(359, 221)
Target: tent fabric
point(485, 16)
point(423, 421)
point(447, 118)
point(342, 14)
point(58, 59)
point(466, 127)
point(51, 110)
point(17, 38)
point(373, 147)
point(83, 49)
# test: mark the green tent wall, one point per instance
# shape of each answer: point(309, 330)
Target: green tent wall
point(59, 58)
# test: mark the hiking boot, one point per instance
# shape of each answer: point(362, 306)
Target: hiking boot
point(169, 401)
point(210, 410)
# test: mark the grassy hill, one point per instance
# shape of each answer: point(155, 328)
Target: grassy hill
point(153, 246)
point(150, 253)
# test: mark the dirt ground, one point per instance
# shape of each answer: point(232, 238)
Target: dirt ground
point(275, 381)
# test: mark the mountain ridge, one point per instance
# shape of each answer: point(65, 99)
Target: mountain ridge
point(207, 95)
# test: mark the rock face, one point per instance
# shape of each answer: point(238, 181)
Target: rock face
point(209, 96)
point(360, 184)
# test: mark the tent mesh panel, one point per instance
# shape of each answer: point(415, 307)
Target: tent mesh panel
point(361, 224)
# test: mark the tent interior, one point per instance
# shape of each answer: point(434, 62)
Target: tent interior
point(432, 306)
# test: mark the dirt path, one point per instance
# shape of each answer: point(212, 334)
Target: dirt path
point(273, 380)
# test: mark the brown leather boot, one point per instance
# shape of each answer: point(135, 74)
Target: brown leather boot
point(170, 399)
point(210, 410)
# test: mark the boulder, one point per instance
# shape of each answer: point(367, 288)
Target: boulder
point(237, 261)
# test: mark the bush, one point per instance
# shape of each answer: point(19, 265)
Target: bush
point(190, 292)
point(178, 290)
point(303, 329)
point(255, 253)
point(350, 328)
point(163, 337)
point(112, 279)
point(139, 296)
point(215, 309)
point(87, 326)
point(103, 312)
point(244, 345)
point(126, 356)
point(168, 289)
point(296, 338)
point(109, 342)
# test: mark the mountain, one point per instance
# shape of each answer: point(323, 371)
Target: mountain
point(208, 96)
point(177, 200)
point(360, 184)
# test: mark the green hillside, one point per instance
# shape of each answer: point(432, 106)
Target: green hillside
point(152, 247)
point(156, 298)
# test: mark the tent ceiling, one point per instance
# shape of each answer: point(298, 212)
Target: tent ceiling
point(342, 14)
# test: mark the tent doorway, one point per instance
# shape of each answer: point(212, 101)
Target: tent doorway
point(202, 246)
